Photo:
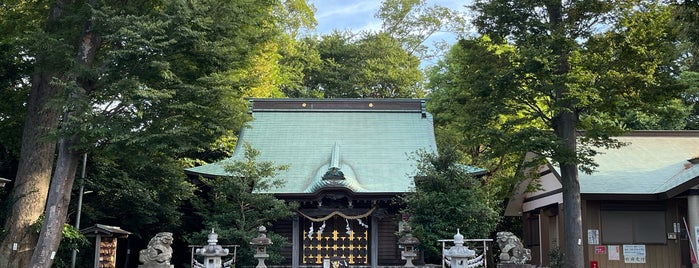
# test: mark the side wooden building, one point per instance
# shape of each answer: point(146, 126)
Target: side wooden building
point(640, 206)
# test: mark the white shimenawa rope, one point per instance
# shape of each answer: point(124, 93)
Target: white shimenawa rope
point(472, 263)
point(475, 262)
point(358, 218)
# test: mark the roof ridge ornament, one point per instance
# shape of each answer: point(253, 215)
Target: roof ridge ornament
point(334, 172)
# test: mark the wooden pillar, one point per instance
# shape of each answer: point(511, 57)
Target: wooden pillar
point(296, 243)
point(98, 241)
point(374, 241)
point(693, 219)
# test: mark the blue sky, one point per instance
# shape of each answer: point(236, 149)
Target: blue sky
point(358, 15)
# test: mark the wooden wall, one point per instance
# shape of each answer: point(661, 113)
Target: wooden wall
point(285, 229)
point(389, 254)
point(657, 255)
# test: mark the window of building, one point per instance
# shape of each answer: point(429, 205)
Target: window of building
point(633, 225)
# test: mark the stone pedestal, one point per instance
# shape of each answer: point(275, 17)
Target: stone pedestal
point(513, 265)
point(409, 256)
point(261, 260)
point(156, 265)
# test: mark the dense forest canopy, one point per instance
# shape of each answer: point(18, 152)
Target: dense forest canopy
point(147, 88)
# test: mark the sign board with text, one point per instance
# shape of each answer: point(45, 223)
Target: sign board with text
point(634, 253)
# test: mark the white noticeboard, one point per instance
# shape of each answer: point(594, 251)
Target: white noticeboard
point(634, 253)
point(613, 251)
point(593, 236)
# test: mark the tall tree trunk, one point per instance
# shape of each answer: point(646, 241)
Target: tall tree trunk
point(57, 204)
point(36, 159)
point(572, 216)
point(565, 126)
point(33, 174)
point(56, 212)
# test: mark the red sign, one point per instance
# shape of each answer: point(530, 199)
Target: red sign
point(600, 249)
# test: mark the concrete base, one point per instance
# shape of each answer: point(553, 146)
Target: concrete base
point(513, 265)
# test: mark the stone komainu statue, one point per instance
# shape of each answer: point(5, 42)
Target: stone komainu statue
point(511, 249)
point(158, 253)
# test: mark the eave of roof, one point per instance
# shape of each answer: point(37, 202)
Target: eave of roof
point(652, 162)
point(104, 230)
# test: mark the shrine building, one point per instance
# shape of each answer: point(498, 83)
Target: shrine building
point(348, 160)
point(640, 206)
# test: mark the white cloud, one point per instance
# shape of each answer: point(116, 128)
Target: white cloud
point(334, 9)
point(371, 26)
point(346, 15)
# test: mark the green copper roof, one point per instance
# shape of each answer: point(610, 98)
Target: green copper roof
point(369, 141)
point(652, 162)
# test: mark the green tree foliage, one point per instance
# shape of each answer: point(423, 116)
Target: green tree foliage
point(295, 16)
point(372, 66)
point(276, 69)
point(691, 97)
point(234, 207)
point(383, 64)
point(447, 197)
point(637, 55)
point(160, 77)
point(298, 59)
point(537, 76)
point(413, 22)
point(685, 16)
point(13, 74)
point(72, 239)
point(39, 46)
point(472, 115)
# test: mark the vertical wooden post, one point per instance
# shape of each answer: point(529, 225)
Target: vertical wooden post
point(98, 241)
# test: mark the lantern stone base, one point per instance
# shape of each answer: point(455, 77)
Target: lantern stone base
point(513, 265)
point(409, 256)
point(156, 265)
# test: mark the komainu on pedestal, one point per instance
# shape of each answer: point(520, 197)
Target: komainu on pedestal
point(512, 251)
point(158, 253)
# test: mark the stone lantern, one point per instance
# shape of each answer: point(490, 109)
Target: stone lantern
point(459, 254)
point(212, 254)
point(408, 242)
point(261, 242)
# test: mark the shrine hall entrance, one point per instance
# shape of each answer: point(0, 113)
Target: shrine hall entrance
point(336, 237)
